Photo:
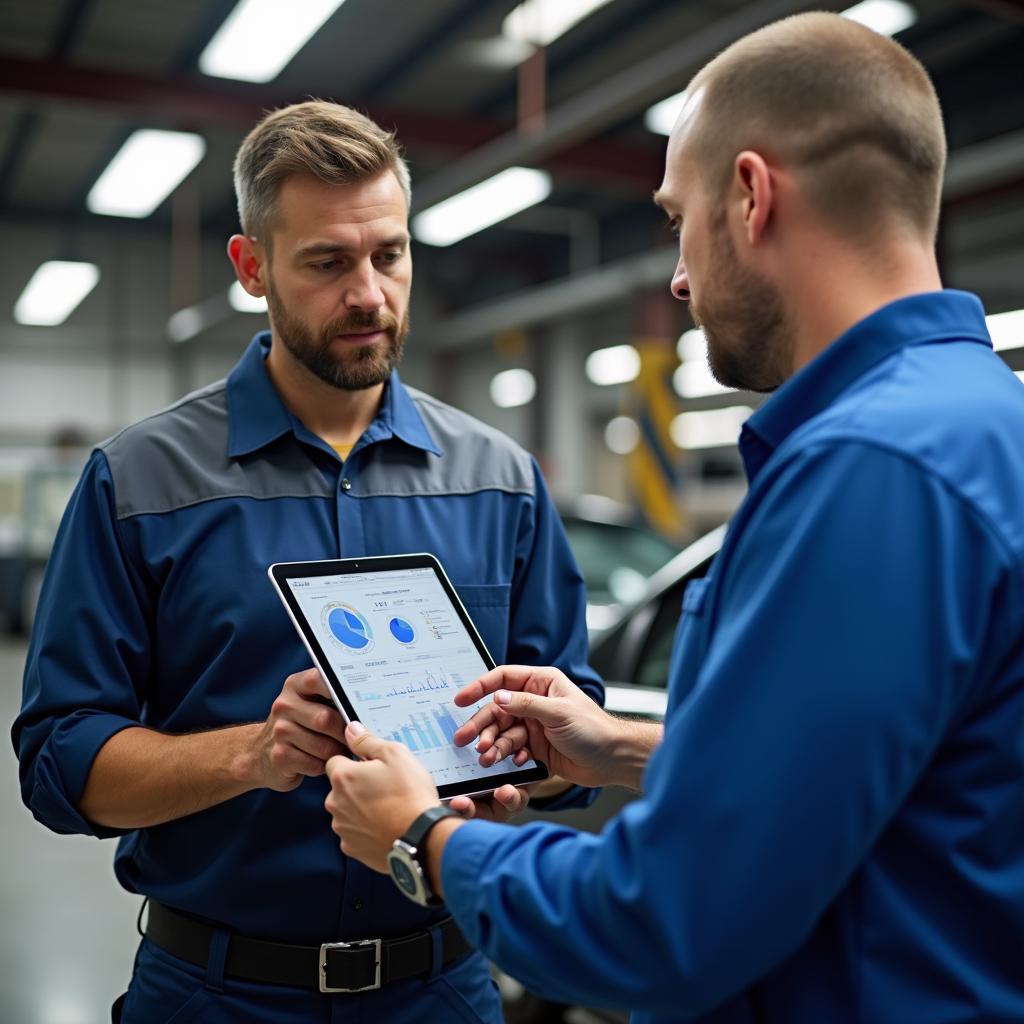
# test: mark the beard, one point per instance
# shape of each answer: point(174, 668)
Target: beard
point(750, 343)
point(361, 367)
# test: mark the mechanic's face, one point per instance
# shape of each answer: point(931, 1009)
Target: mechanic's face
point(339, 276)
point(739, 310)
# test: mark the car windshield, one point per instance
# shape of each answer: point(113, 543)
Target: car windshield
point(616, 560)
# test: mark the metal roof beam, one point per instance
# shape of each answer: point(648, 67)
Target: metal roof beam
point(607, 104)
point(972, 172)
point(189, 103)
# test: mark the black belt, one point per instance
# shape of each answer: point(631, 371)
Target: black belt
point(333, 967)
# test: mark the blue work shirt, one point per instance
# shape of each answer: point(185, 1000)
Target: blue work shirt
point(833, 828)
point(157, 610)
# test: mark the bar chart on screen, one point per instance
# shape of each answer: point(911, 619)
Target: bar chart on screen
point(429, 733)
point(423, 731)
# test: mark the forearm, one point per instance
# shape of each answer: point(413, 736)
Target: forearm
point(543, 894)
point(634, 746)
point(142, 778)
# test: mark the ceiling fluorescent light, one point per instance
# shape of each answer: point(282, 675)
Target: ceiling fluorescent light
point(54, 291)
point(711, 428)
point(622, 435)
point(886, 17)
point(259, 37)
point(493, 200)
point(618, 364)
point(693, 377)
point(512, 388)
point(146, 169)
point(694, 380)
point(661, 118)
point(185, 323)
point(1007, 329)
point(541, 22)
point(499, 53)
point(242, 302)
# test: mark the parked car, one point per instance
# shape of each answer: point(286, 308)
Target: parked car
point(616, 553)
point(632, 654)
point(637, 646)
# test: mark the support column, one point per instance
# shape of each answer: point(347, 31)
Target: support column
point(564, 443)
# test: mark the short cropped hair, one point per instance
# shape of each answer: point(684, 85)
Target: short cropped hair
point(335, 143)
point(850, 111)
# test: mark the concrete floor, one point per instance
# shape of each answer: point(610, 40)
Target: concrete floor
point(67, 937)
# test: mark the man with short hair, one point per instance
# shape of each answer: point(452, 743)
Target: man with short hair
point(831, 821)
point(158, 632)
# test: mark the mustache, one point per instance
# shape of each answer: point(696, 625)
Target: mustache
point(355, 321)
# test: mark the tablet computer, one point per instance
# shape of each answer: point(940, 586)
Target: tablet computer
point(395, 644)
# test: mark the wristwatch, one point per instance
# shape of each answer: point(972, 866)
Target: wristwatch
point(406, 861)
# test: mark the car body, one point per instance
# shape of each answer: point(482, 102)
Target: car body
point(634, 651)
point(616, 553)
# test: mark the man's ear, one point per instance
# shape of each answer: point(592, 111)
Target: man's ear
point(249, 260)
point(753, 179)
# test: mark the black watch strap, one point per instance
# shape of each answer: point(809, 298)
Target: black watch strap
point(418, 830)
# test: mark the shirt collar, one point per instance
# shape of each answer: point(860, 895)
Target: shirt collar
point(914, 320)
point(399, 416)
point(257, 416)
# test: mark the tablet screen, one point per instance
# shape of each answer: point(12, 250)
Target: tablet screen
point(401, 652)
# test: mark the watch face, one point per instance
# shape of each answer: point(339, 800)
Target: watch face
point(403, 876)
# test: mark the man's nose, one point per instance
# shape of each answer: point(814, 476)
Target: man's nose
point(363, 290)
point(680, 283)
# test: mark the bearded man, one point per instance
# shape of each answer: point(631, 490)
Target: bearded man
point(158, 632)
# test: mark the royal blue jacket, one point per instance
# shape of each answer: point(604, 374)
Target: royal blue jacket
point(832, 831)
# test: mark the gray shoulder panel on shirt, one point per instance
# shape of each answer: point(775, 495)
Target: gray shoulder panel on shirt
point(179, 457)
point(476, 458)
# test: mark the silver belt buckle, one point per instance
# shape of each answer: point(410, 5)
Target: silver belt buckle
point(376, 943)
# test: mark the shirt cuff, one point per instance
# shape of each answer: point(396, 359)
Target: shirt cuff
point(62, 770)
point(467, 851)
point(576, 797)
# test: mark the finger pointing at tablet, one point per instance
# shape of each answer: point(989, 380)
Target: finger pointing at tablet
point(576, 738)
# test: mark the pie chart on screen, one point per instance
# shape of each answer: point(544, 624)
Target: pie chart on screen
point(401, 630)
point(348, 627)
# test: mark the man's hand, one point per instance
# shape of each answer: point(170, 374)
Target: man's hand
point(300, 735)
point(541, 710)
point(505, 802)
point(142, 778)
point(374, 801)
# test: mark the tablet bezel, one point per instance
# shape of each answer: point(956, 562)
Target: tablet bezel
point(281, 572)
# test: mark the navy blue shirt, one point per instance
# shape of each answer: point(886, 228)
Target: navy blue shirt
point(833, 827)
point(157, 610)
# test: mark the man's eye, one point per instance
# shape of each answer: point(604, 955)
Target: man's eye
point(390, 257)
point(325, 265)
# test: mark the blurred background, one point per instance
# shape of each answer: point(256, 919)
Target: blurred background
point(535, 133)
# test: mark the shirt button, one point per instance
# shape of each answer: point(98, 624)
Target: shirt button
point(357, 904)
point(346, 484)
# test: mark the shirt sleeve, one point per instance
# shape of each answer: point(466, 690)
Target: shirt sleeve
point(87, 660)
point(852, 616)
point(549, 613)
